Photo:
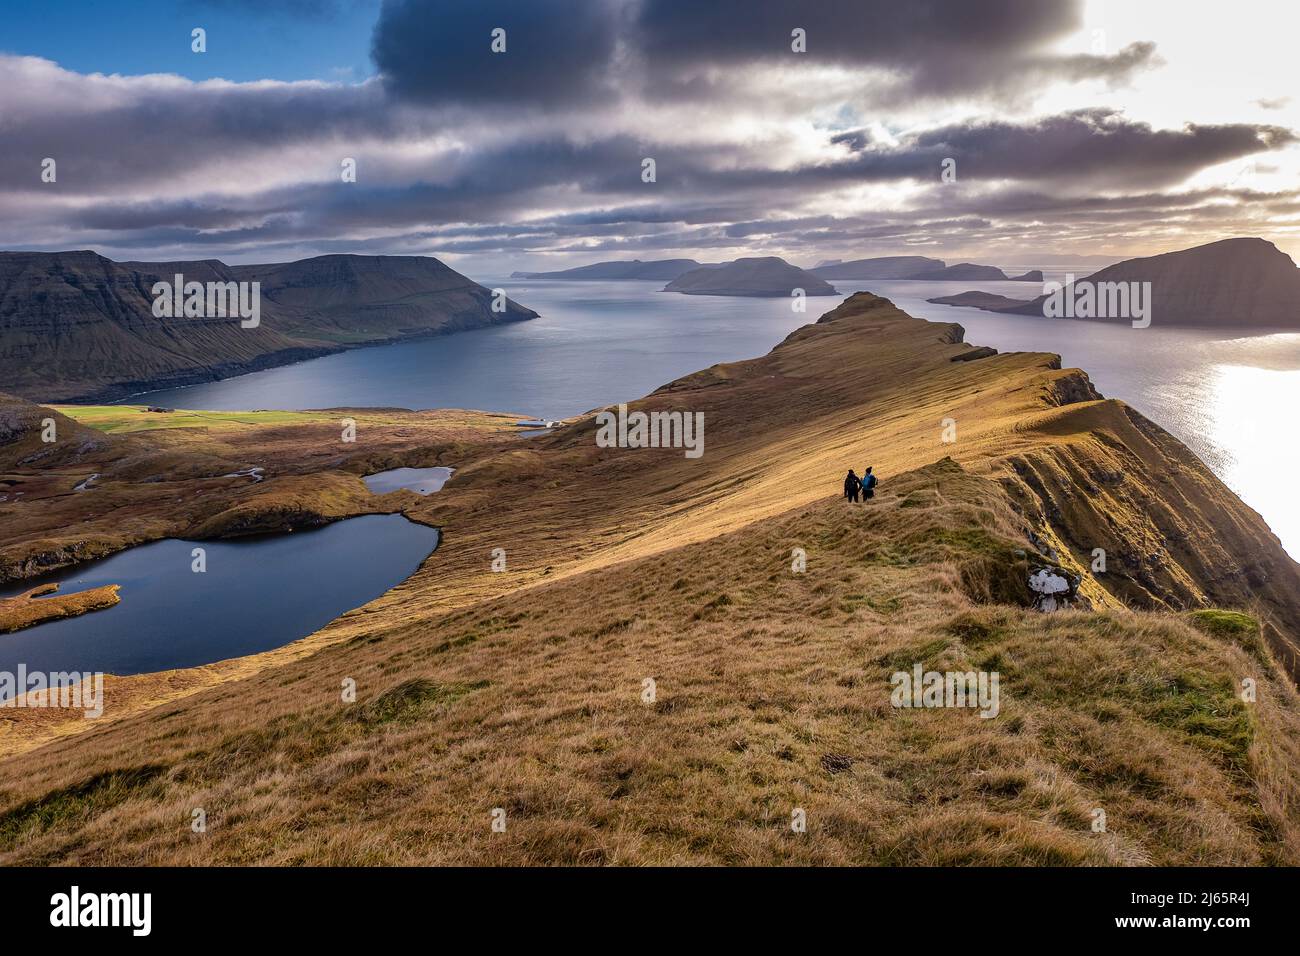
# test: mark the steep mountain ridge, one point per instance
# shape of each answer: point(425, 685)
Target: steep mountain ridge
point(1243, 283)
point(771, 680)
point(75, 325)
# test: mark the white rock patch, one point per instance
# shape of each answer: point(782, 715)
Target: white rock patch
point(1046, 585)
point(1045, 582)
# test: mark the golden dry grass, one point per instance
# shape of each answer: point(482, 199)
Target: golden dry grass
point(772, 694)
point(177, 476)
point(522, 690)
point(35, 607)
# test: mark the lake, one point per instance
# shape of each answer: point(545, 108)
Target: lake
point(423, 481)
point(597, 343)
point(256, 594)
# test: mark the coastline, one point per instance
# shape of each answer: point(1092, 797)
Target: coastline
point(1066, 409)
point(119, 393)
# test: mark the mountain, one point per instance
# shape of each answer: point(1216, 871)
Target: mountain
point(885, 267)
point(78, 325)
point(962, 270)
point(987, 301)
point(1240, 283)
point(661, 270)
point(698, 646)
point(917, 267)
point(766, 276)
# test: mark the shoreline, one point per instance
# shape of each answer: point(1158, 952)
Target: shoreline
point(32, 607)
point(114, 394)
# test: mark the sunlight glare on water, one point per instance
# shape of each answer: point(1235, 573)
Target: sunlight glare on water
point(1252, 416)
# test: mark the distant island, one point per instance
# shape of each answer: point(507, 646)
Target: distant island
point(76, 325)
point(764, 276)
point(988, 301)
point(882, 267)
point(917, 267)
point(661, 270)
point(1243, 283)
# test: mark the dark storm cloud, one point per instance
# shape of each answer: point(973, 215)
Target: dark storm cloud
point(856, 32)
point(1051, 221)
point(1088, 146)
point(539, 150)
point(935, 48)
point(487, 202)
point(441, 51)
point(562, 52)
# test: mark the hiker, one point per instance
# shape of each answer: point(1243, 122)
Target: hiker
point(851, 485)
point(868, 484)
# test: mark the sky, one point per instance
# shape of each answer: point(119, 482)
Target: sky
point(1069, 128)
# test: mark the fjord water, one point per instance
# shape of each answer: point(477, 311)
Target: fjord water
point(595, 343)
point(256, 594)
point(1229, 398)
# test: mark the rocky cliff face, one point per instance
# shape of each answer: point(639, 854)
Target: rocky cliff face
point(1231, 284)
point(78, 325)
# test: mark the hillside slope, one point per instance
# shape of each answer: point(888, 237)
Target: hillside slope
point(524, 689)
point(881, 267)
point(75, 325)
point(963, 270)
point(1232, 284)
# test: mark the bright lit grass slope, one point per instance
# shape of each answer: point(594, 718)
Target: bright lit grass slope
point(772, 694)
point(523, 689)
point(134, 418)
point(183, 473)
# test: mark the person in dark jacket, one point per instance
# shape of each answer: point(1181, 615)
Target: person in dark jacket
point(851, 485)
point(868, 482)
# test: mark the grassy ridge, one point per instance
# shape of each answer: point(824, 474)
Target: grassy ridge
point(524, 689)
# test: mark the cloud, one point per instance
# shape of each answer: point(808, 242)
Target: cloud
point(556, 51)
point(1089, 148)
point(562, 53)
point(538, 151)
point(115, 133)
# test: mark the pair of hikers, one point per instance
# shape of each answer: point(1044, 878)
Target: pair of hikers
point(866, 485)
